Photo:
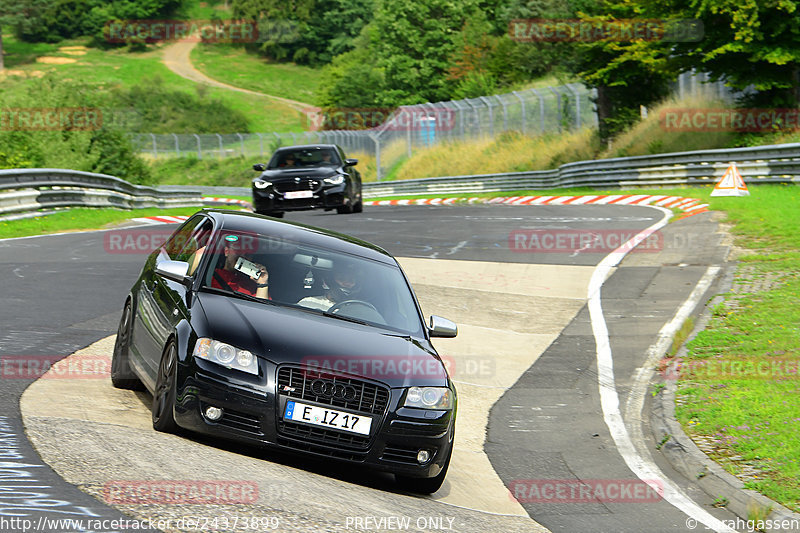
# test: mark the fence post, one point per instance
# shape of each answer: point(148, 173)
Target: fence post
point(155, 146)
point(577, 105)
point(199, 147)
point(221, 150)
point(241, 143)
point(505, 112)
point(177, 146)
point(558, 106)
point(378, 173)
point(522, 102)
point(261, 143)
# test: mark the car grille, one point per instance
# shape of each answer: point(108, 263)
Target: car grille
point(370, 399)
point(326, 436)
point(305, 184)
point(400, 454)
point(241, 421)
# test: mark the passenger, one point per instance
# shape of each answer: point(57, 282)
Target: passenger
point(233, 279)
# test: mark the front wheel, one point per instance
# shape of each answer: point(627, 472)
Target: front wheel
point(164, 395)
point(344, 209)
point(424, 485)
point(358, 207)
point(122, 376)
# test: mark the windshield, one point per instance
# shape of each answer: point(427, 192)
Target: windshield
point(317, 280)
point(305, 157)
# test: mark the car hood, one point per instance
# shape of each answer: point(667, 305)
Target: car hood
point(288, 335)
point(302, 172)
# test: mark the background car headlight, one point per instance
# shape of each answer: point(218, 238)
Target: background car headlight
point(334, 180)
point(226, 355)
point(260, 184)
point(429, 398)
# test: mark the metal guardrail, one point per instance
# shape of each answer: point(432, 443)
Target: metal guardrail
point(761, 164)
point(32, 189)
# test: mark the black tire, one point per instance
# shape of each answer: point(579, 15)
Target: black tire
point(122, 376)
point(276, 215)
point(358, 207)
point(344, 209)
point(424, 485)
point(164, 394)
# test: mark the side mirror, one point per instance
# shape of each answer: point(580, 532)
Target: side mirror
point(261, 167)
point(441, 327)
point(350, 162)
point(174, 270)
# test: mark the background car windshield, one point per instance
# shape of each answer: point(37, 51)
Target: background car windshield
point(311, 157)
point(318, 280)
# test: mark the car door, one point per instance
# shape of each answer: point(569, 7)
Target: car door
point(162, 302)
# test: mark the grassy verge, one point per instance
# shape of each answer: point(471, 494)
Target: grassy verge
point(107, 69)
point(235, 66)
point(739, 394)
point(80, 219)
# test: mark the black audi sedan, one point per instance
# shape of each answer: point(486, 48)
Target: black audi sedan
point(307, 177)
point(285, 335)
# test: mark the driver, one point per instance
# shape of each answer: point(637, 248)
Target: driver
point(344, 284)
point(235, 279)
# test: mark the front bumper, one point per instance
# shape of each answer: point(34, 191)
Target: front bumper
point(253, 413)
point(269, 200)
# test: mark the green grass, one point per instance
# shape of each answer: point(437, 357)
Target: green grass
point(751, 413)
point(235, 66)
point(80, 219)
point(106, 69)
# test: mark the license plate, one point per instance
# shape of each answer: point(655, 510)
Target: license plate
point(329, 418)
point(293, 195)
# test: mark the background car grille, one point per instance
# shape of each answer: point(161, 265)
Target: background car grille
point(304, 184)
point(370, 399)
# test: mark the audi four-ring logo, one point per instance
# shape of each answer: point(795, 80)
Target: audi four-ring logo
point(328, 389)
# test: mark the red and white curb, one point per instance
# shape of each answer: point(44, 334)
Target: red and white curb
point(214, 200)
point(690, 206)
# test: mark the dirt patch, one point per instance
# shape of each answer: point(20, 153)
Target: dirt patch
point(48, 60)
point(65, 48)
point(22, 73)
point(73, 52)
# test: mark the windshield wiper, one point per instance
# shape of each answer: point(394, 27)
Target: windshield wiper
point(347, 318)
point(241, 295)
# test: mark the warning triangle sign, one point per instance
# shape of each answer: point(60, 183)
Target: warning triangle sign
point(731, 184)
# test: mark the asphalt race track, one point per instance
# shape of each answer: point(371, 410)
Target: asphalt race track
point(524, 363)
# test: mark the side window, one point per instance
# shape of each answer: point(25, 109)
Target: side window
point(187, 240)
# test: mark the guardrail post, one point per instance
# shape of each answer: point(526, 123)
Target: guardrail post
point(522, 103)
point(199, 147)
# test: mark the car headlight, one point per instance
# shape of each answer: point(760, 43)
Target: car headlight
point(260, 184)
point(334, 180)
point(429, 398)
point(225, 355)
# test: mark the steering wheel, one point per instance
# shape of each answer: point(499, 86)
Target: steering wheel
point(372, 311)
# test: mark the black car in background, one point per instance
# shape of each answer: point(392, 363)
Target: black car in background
point(307, 177)
point(284, 335)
